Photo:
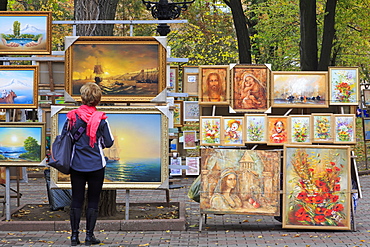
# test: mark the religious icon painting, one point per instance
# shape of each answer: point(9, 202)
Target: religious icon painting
point(214, 84)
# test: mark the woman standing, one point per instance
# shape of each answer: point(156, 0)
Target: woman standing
point(88, 162)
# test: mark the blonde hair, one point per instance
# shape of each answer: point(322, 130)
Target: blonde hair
point(90, 94)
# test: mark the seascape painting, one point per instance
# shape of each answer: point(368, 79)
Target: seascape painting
point(124, 70)
point(22, 142)
point(25, 32)
point(317, 187)
point(18, 86)
point(127, 162)
point(236, 181)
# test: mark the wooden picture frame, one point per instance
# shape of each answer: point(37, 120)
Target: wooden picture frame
point(322, 127)
point(193, 166)
point(176, 162)
point(366, 129)
point(344, 128)
point(300, 130)
point(191, 84)
point(134, 129)
point(190, 139)
point(178, 114)
point(326, 171)
point(277, 130)
point(301, 89)
point(232, 131)
point(31, 36)
point(194, 69)
point(214, 84)
point(366, 93)
point(254, 177)
point(19, 86)
point(344, 85)
point(250, 88)
point(210, 131)
point(173, 78)
point(191, 110)
point(255, 128)
point(127, 69)
point(22, 143)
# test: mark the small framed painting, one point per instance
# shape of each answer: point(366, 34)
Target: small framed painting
point(191, 111)
point(344, 128)
point(300, 129)
point(344, 85)
point(317, 187)
point(210, 131)
point(191, 84)
point(173, 80)
point(178, 113)
point(193, 69)
point(255, 128)
point(175, 169)
point(232, 131)
point(299, 89)
point(190, 138)
point(367, 128)
point(214, 84)
point(366, 93)
point(250, 87)
point(277, 130)
point(322, 127)
point(25, 32)
point(193, 166)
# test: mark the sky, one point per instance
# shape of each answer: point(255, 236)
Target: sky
point(15, 137)
point(7, 22)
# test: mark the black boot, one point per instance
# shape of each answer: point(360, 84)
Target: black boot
point(75, 216)
point(91, 216)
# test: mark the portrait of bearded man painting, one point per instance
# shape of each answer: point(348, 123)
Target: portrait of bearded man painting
point(213, 88)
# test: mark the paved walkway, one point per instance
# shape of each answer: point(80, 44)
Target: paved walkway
point(226, 230)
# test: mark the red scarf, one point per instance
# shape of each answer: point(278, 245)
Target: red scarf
point(91, 116)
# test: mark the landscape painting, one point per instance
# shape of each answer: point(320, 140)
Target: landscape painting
point(317, 187)
point(134, 129)
point(236, 181)
point(22, 144)
point(19, 86)
point(125, 68)
point(25, 32)
point(299, 89)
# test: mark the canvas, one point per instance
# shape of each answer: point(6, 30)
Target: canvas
point(322, 127)
point(345, 128)
point(178, 112)
point(255, 128)
point(134, 129)
point(210, 131)
point(300, 131)
point(214, 85)
point(232, 129)
point(277, 130)
point(25, 32)
point(317, 187)
point(250, 87)
point(236, 181)
point(299, 89)
point(190, 138)
point(19, 86)
point(127, 69)
point(173, 84)
point(191, 110)
point(344, 85)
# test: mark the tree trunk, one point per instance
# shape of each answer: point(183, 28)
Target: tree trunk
point(241, 28)
point(98, 10)
point(3, 4)
point(95, 10)
point(308, 46)
point(328, 35)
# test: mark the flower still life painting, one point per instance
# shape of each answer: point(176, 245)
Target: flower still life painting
point(210, 128)
point(190, 138)
point(317, 187)
point(233, 134)
point(345, 128)
point(322, 127)
point(256, 128)
point(236, 181)
point(344, 85)
point(300, 129)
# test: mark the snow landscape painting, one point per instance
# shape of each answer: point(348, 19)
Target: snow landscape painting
point(25, 32)
point(18, 86)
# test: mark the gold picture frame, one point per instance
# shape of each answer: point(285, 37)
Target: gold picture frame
point(214, 84)
point(344, 85)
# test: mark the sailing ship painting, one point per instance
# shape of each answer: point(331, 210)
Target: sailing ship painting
point(119, 69)
point(135, 156)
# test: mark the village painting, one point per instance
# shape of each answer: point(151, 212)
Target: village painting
point(120, 69)
point(18, 86)
point(236, 181)
point(25, 32)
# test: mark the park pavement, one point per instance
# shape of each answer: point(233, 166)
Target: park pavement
point(220, 230)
